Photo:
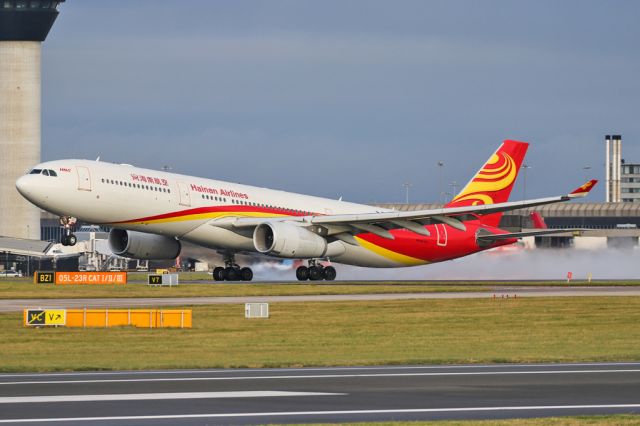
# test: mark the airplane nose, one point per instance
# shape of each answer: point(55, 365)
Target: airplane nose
point(24, 185)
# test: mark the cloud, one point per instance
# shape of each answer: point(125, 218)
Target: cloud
point(350, 99)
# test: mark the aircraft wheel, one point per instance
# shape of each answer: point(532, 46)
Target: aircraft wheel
point(231, 274)
point(72, 240)
point(302, 273)
point(246, 274)
point(315, 273)
point(330, 273)
point(218, 273)
point(64, 240)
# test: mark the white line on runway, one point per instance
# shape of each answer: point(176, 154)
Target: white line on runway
point(320, 413)
point(354, 368)
point(154, 396)
point(321, 376)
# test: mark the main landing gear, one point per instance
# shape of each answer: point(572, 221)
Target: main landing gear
point(315, 272)
point(68, 237)
point(232, 271)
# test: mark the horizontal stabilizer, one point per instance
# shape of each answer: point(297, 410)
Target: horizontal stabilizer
point(558, 232)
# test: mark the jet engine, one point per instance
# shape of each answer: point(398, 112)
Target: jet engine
point(287, 240)
point(140, 245)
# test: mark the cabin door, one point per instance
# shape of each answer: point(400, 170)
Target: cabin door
point(84, 179)
point(185, 194)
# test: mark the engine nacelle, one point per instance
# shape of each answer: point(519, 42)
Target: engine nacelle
point(140, 245)
point(287, 240)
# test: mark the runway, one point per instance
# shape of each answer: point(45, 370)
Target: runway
point(308, 395)
point(17, 305)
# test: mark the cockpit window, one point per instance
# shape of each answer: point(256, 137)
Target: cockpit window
point(46, 172)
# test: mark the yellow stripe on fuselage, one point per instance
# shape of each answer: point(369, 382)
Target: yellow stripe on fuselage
point(391, 255)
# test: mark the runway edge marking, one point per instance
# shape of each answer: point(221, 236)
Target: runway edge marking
point(321, 376)
point(320, 413)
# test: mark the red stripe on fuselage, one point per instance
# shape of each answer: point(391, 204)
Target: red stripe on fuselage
point(213, 209)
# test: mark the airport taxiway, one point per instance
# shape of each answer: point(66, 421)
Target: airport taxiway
point(17, 305)
point(348, 394)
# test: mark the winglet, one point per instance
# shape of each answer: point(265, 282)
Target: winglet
point(584, 189)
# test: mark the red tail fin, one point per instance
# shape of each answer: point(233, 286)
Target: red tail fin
point(538, 220)
point(494, 181)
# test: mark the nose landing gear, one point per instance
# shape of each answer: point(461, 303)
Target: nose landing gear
point(232, 271)
point(68, 237)
point(315, 272)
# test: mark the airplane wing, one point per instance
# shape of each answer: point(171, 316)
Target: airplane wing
point(344, 226)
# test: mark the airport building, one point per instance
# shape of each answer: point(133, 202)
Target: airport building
point(613, 168)
point(24, 25)
point(622, 178)
point(630, 183)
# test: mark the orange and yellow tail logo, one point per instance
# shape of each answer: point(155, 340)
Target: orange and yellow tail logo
point(494, 182)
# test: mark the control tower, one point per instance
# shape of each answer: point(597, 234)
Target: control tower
point(24, 24)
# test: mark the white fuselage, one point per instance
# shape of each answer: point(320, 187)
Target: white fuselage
point(180, 206)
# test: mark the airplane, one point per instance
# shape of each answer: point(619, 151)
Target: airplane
point(151, 212)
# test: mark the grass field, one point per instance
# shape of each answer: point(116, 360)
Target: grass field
point(27, 290)
point(23, 288)
point(617, 420)
point(345, 333)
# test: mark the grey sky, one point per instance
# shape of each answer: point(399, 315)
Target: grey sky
point(348, 98)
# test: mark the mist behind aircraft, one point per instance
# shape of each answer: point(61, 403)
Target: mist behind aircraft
point(539, 264)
